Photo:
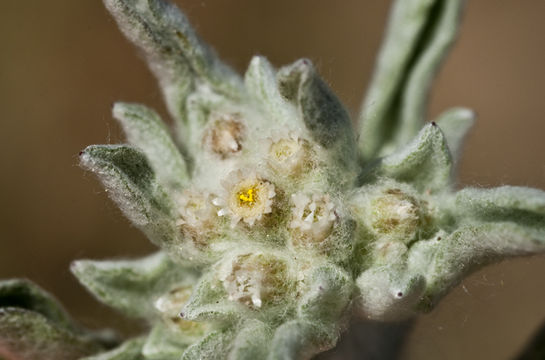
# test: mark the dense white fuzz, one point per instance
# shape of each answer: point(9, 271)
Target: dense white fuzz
point(312, 216)
point(247, 197)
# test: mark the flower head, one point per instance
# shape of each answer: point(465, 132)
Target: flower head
point(197, 215)
point(312, 216)
point(254, 278)
point(225, 134)
point(246, 198)
point(288, 154)
point(395, 214)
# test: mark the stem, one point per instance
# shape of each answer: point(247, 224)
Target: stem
point(369, 340)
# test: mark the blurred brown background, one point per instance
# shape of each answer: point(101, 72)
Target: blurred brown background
point(63, 63)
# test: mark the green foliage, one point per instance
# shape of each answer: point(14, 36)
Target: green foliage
point(290, 225)
point(129, 350)
point(146, 131)
point(275, 221)
point(425, 162)
point(33, 325)
point(132, 286)
point(418, 37)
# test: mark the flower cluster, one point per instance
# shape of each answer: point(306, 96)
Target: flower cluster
point(276, 220)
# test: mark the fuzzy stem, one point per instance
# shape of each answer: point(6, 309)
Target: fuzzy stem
point(366, 340)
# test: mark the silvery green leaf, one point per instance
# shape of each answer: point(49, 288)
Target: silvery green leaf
point(23, 294)
point(329, 294)
point(130, 182)
point(172, 23)
point(324, 116)
point(419, 34)
point(26, 334)
point(260, 80)
point(445, 19)
point(209, 302)
point(175, 53)
point(146, 131)
point(164, 344)
point(455, 124)
point(34, 325)
point(214, 346)
point(251, 342)
point(132, 286)
point(445, 260)
point(129, 350)
point(302, 339)
point(494, 224)
point(520, 205)
point(406, 26)
point(425, 162)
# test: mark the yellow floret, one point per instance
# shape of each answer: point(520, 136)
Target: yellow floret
point(247, 196)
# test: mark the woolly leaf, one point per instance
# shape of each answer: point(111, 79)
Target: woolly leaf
point(323, 114)
point(302, 339)
point(171, 23)
point(406, 27)
point(132, 286)
point(444, 28)
point(209, 302)
point(252, 341)
point(455, 124)
point(509, 203)
point(425, 162)
point(129, 350)
point(212, 347)
point(164, 344)
point(446, 261)
point(146, 131)
point(131, 183)
point(176, 55)
point(419, 35)
point(329, 294)
point(25, 334)
point(494, 224)
point(261, 83)
point(23, 294)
